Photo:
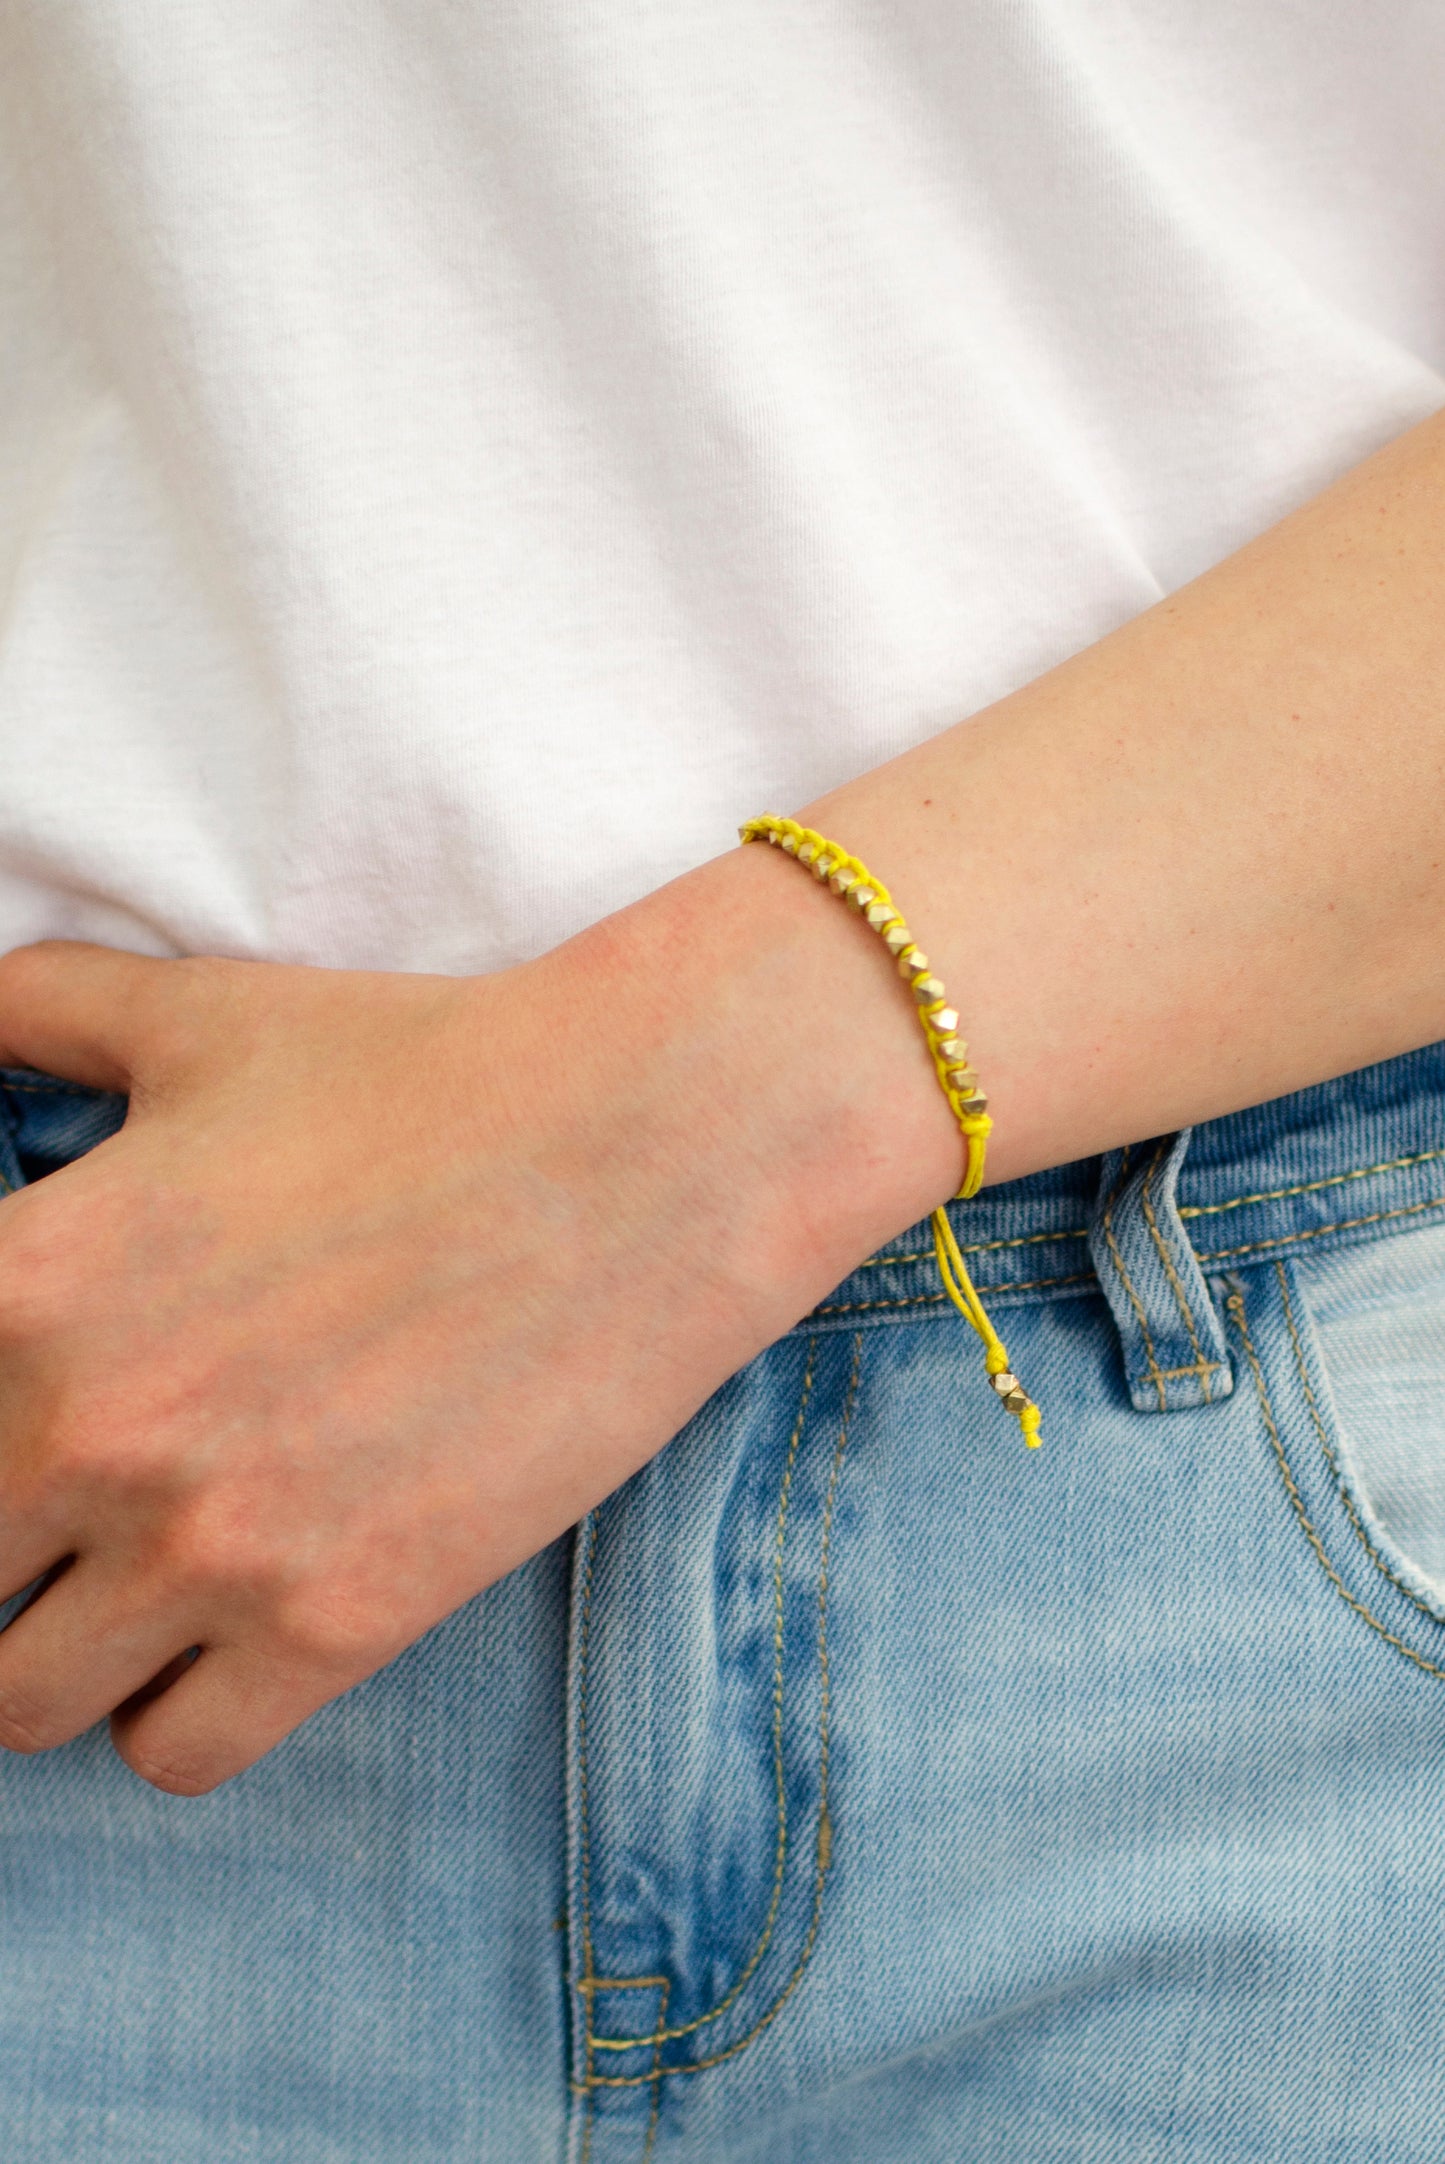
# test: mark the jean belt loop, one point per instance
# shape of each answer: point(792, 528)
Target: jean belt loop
point(1175, 1356)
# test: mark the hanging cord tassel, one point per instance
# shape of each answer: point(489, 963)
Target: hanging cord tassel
point(963, 1293)
point(853, 883)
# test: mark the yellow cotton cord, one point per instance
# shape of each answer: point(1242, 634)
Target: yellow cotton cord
point(964, 1294)
point(852, 882)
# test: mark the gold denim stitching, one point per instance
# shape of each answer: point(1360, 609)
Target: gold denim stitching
point(636, 2043)
point(631, 1983)
point(1317, 1232)
point(1202, 1368)
point(979, 1247)
point(940, 1299)
point(1081, 1277)
point(649, 2143)
point(825, 1672)
point(1362, 1532)
point(823, 1855)
point(1128, 1283)
point(1185, 1209)
point(1309, 1187)
point(1235, 1304)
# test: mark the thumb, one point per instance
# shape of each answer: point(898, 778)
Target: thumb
point(78, 1011)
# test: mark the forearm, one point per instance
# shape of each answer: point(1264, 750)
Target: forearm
point(294, 1364)
point(1197, 866)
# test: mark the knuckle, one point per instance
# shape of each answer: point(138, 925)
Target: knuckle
point(34, 1493)
point(328, 1632)
point(25, 972)
point(102, 1457)
point(25, 1725)
point(75, 1451)
point(72, 1455)
point(219, 1553)
point(201, 1557)
point(174, 1773)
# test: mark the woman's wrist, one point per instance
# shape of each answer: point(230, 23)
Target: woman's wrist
point(773, 1063)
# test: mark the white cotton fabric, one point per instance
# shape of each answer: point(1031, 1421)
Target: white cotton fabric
point(459, 457)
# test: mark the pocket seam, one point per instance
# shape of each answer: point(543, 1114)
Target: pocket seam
point(823, 1849)
point(1235, 1304)
point(1361, 1530)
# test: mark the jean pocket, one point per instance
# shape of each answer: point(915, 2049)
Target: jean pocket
point(1346, 1353)
point(702, 1727)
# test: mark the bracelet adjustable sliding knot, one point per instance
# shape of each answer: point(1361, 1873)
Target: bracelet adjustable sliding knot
point(855, 884)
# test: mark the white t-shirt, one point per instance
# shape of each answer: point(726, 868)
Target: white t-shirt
point(458, 457)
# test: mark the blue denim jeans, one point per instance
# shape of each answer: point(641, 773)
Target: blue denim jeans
point(855, 1785)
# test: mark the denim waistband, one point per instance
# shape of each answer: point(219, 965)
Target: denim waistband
point(1347, 1161)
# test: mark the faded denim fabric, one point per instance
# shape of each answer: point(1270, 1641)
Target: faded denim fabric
point(858, 1787)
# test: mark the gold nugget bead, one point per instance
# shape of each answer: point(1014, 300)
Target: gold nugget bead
point(848, 879)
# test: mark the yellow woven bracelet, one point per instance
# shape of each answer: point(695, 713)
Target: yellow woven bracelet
point(855, 884)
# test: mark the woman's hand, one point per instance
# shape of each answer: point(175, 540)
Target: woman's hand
point(386, 1280)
